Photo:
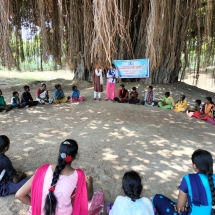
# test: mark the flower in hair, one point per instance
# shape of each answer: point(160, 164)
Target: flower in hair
point(63, 155)
point(51, 189)
point(68, 158)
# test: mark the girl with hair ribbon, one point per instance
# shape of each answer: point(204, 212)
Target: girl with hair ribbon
point(196, 191)
point(60, 189)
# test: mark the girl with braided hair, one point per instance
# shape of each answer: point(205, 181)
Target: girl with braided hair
point(60, 189)
point(196, 190)
point(132, 203)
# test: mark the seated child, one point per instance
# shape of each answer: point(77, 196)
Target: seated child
point(42, 95)
point(132, 203)
point(134, 96)
point(15, 101)
point(10, 179)
point(205, 113)
point(149, 98)
point(212, 119)
point(59, 96)
point(181, 104)
point(196, 191)
point(76, 95)
point(122, 95)
point(197, 108)
point(3, 105)
point(167, 101)
point(27, 98)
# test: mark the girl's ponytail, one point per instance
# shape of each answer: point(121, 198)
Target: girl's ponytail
point(211, 183)
point(51, 201)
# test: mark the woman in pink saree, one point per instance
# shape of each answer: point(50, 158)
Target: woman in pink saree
point(60, 189)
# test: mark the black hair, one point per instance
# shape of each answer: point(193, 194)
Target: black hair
point(183, 97)
point(73, 87)
point(209, 99)
point(198, 101)
point(167, 94)
point(26, 87)
point(151, 87)
point(57, 86)
point(70, 148)
point(134, 88)
point(204, 162)
point(14, 93)
point(113, 65)
point(131, 185)
point(1, 91)
point(43, 85)
point(4, 142)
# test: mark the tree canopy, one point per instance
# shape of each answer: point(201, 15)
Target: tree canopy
point(81, 33)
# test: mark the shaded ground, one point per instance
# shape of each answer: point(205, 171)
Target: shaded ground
point(113, 138)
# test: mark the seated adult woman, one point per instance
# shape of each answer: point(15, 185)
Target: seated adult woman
point(212, 119)
point(132, 203)
point(122, 95)
point(205, 112)
point(167, 101)
point(53, 186)
point(196, 189)
point(181, 104)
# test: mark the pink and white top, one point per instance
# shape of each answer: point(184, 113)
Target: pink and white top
point(63, 191)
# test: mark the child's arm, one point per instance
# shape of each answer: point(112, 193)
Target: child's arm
point(22, 193)
point(90, 191)
point(182, 199)
point(18, 177)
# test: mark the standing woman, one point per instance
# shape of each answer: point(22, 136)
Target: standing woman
point(98, 81)
point(60, 189)
point(112, 75)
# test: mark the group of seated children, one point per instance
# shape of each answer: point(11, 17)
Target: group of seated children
point(42, 97)
point(61, 189)
point(205, 112)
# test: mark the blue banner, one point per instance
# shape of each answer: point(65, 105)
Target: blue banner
point(138, 68)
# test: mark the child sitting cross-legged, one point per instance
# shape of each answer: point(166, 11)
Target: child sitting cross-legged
point(15, 101)
point(10, 179)
point(3, 105)
point(76, 95)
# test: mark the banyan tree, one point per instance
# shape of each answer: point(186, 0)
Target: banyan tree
point(79, 33)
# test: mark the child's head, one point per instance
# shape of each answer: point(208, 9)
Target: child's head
point(4, 143)
point(74, 88)
point(26, 88)
point(182, 97)
point(58, 87)
point(67, 153)
point(43, 86)
point(134, 89)
point(198, 102)
point(203, 163)
point(150, 88)
point(167, 94)
point(16, 94)
point(208, 100)
point(122, 86)
point(0, 92)
point(132, 186)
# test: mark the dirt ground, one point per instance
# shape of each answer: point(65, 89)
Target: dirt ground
point(113, 138)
